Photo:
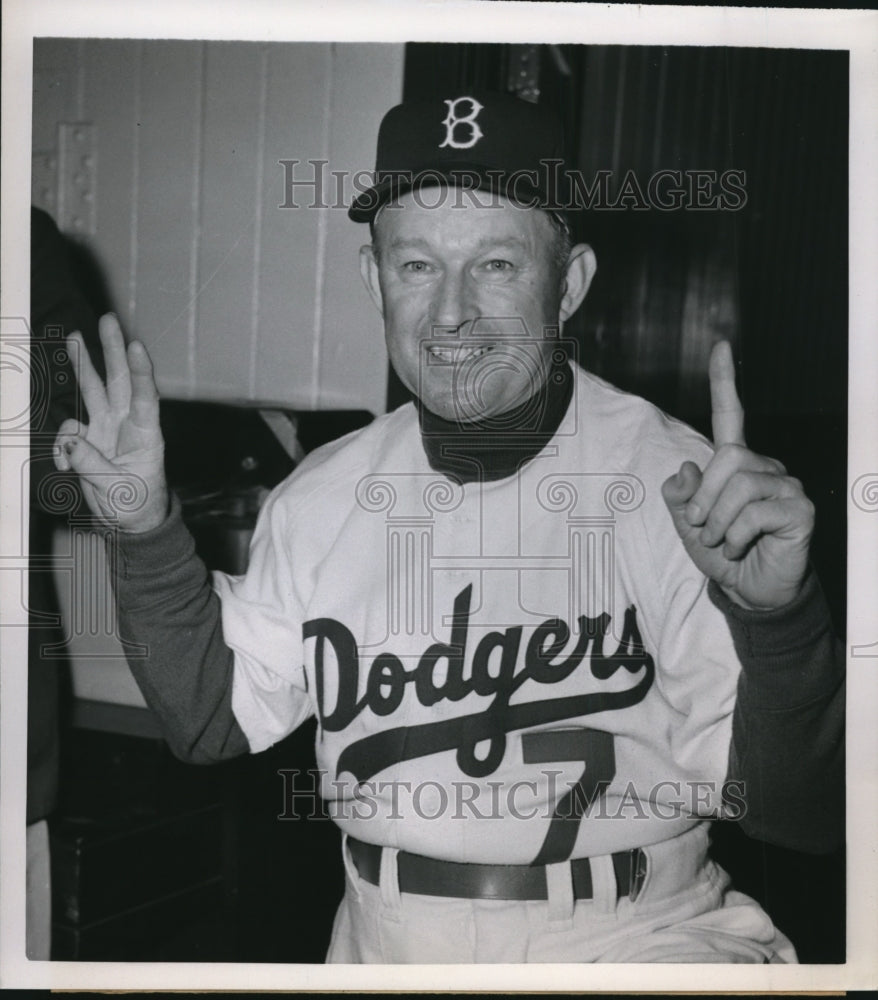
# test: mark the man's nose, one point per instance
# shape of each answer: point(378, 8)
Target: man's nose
point(453, 304)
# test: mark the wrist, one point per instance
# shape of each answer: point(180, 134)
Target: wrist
point(736, 598)
point(782, 601)
point(764, 619)
point(149, 518)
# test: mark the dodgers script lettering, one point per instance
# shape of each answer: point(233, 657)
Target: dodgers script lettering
point(542, 662)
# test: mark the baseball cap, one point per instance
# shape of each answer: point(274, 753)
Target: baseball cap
point(479, 140)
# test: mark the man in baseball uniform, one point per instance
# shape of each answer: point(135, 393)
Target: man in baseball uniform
point(548, 632)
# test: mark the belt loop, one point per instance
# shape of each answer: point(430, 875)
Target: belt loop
point(559, 892)
point(639, 869)
point(349, 866)
point(388, 883)
point(603, 884)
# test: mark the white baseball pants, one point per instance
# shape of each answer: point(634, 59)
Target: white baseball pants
point(684, 912)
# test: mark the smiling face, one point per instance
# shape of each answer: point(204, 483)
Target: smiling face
point(472, 299)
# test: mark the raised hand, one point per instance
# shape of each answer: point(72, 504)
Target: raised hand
point(745, 523)
point(119, 456)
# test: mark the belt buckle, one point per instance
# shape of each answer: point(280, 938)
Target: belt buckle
point(637, 873)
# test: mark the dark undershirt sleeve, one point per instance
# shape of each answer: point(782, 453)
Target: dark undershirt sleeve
point(166, 604)
point(786, 763)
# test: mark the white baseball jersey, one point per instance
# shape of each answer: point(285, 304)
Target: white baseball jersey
point(536, 653)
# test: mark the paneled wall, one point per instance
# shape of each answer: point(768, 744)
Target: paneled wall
point(162, 159)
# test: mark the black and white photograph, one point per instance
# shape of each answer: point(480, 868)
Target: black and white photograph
point(439, 482)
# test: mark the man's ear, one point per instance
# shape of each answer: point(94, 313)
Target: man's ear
point(369, 274)
point(581, 267)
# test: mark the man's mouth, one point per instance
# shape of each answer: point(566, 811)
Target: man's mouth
point(455, 355)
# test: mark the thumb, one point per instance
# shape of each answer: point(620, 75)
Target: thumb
point(75, 453)
point(116, 495)
point(678, 490)
point(83, 458)
point(69, 429)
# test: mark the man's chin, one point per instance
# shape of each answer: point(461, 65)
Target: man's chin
point(458, 412)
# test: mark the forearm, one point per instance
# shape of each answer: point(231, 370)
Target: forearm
point(787, 752)
point(166, 605)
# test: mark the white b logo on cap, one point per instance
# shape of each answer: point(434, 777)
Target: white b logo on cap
point(454, 119)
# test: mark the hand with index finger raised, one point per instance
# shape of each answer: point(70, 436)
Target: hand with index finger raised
point(744, 522)
point(119, 455)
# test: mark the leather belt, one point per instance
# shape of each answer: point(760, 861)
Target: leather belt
point(431, 877)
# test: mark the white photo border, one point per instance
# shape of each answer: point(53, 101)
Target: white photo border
point(466, 20)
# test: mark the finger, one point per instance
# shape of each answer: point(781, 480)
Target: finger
point(84, 459)
point(730, 459)
point(727, 412)
point(741, 489)
point(792, 517)
point(144, 394)
point(69, 429)
point(115, 357)
point(677, 492)
point(94, 395)
point(114, 493)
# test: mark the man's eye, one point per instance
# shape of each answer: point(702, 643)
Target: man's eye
point(500, 265)
point(415, 266)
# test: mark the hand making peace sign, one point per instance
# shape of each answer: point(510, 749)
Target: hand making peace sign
point(119, 455)
point(744, 522)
